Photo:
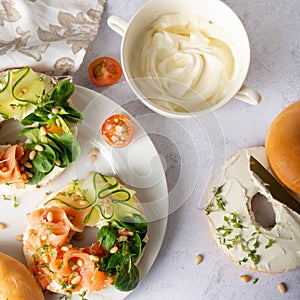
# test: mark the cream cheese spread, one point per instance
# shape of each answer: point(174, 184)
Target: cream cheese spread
point(233, 225)
point(187, 59)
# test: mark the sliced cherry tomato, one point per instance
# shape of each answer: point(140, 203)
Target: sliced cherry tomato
point(117, 131)
point(105, 71)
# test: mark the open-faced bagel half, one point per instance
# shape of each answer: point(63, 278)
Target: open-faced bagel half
point(97, 201)
point(40, 106)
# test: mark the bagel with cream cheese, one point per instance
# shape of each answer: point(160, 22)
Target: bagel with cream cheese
point(283, 147)
point(16, 282)
point(40, 104)
point(233, 224)
point(96, 201)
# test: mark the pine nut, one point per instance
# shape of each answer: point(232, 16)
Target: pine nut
point(94, 151)
point(32, 154)
point(28, 174)
point(44, 237)
point(54, 110)
point(113, 250)
point(76, 279)
point(94, 258)
point(39, 148)
point(74, 267)
point(79, 262)
point(57, 122)
point(92, 159)
point(50, 216)
point(64, 248)
point(28, 165)
point(46, 259)
point(199, 259)
point(2, 226)
point(58, 162)
point(246, 278)
point(123, 238)
point(281, 287)
point(43, 130)
point(19, 237)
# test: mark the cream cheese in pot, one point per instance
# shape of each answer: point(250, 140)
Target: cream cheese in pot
point(187, 58)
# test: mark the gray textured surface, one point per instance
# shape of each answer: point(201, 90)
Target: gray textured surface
point(191, 149)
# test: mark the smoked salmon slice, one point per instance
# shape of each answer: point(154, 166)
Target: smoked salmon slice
point(10, 157)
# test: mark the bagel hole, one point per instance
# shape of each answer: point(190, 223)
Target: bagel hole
point(262, 211)
point(9, 132)
point(88, 237)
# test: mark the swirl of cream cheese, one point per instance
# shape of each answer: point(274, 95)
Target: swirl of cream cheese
point(185, 58)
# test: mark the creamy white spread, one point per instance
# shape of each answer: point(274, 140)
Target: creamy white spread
point(187, 59)
point(240, 185)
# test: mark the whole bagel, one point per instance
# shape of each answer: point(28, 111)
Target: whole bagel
point(16, 282)
point(283, 147)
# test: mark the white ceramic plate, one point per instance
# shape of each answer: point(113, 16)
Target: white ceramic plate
point(138, 166)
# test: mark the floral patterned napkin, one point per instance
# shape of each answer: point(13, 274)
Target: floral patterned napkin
point(48, 35)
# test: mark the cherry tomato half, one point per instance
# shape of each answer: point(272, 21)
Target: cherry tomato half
point(117, 131)
point(105, 71)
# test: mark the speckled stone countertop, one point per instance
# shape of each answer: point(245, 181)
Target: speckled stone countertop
point(192, 149)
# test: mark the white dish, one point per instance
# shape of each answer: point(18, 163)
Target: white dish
point(138, 166)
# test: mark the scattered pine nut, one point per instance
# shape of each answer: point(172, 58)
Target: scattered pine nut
point(94, 258)
point(32, 154)
point(44, 237)
point(281, 287)
point(199, 259)
point(246, 278)
point(28, 165)
point(76, 279)
point(113, 250)
point(54, 110)
point(58, 162)
point(79, 262)
point(19, 237)
point(43, 130)
point(123, 238)
point(46, 259)
point(92, 158)
point(49, 216)
point(57, 122)
point(94, 151)
point(64, 248)
point(39, 148)
point(28, 174)
point(2, 226)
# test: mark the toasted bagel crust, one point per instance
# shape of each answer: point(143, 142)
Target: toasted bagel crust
point(283, 147)
point(16, 282)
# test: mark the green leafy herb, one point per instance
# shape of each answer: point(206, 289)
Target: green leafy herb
point(255, 280)
point(217, 200)
point(120, 263)
point(228, 234)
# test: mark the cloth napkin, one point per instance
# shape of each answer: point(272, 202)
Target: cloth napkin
point(48, 35)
